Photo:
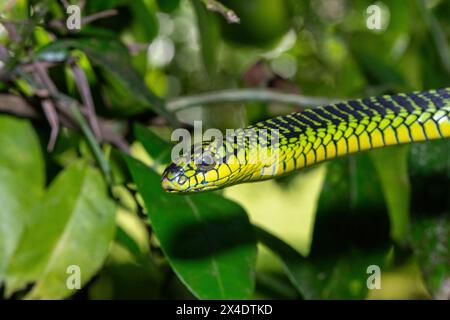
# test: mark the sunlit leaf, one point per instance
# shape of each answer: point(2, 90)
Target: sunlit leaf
point(22, 179)
point(392, 169)
point(287, 210)
point(207, 239)
point(73, 226)
point(299, 270)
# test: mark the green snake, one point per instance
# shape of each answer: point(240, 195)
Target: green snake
point(298, 140)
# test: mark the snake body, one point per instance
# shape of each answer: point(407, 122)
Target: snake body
point(312, 136)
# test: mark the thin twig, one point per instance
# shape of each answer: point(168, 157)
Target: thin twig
point(99, 15)
point(14, 35)
point(65, 3)
point(86, 96)
point(65, 102)
point(242, 95)
point(135, 48)
point(92, 142)
point(3, 53)
point(30, 67)
point(9, 5)
point(42, 74)
point(47, 105)
point(227, 13)
point(61, 24)
point(19, 106)
point(52, 118)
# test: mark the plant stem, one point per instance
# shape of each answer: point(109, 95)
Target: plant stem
point(227, 13)
point(242, 95)
point(92, 142)
point(74, 108)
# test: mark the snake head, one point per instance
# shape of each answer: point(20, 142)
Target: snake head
point(205, 169)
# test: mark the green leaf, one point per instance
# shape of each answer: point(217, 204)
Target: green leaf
point(209, 30)
point(431, 241)
point(351, 230)
point(429, 165)
point(74, 225)
point(113, 58)
point(207, 239)
point(377, 70)
point(299, 270)
point(351, 211)
point(168, 5)
point(159, 149)
point(22, 182)
point(294, 198)
point(392, 167)
point(324, 278)
point(145, 24)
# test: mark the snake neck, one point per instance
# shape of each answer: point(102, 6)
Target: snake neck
point(323, 133)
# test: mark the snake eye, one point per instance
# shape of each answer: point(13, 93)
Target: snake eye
point(206, 162)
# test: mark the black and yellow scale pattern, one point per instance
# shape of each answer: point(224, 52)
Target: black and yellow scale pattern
point(315, 135)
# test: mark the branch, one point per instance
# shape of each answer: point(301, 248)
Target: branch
point(243, 95)
point(3, 53)
point(99, 15)
point(86, 96)
point(19, 106)
point(227, 13)
point(63, 103)
point(61, 24)
point(92, 142)
point(52, 117)
point(48, 106)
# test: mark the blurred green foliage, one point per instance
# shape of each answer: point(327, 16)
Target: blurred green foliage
point(311, 235)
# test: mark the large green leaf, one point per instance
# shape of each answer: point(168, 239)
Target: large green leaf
point(299, 270)
point(209, 31)
point(337, 277)
point(392, 168)
point(429, 165)
point(74, 225)
point(431, 241)
point(207, 239)
point(351, 230)
point(144, 24)
point(21, 182)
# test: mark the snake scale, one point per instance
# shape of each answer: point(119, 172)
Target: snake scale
point(298, 140)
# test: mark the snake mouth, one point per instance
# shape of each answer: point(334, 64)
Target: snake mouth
point(170, 187)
